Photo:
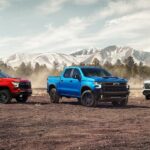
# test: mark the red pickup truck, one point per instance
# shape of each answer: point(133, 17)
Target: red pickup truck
point(14, 88)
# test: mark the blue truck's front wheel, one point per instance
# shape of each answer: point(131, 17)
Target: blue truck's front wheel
point(88, 99)
point(54, 97)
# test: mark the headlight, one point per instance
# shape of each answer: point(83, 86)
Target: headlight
point(98, 84)
point(15, 84)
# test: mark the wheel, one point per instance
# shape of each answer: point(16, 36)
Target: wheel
point(147, 97)
point(5, 96)
point(88, 99)
point(121, 103)
point(54, 97)
point(22, 99)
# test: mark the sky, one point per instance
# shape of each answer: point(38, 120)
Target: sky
point(65, 26)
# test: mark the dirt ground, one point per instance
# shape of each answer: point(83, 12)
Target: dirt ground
point(39, 125)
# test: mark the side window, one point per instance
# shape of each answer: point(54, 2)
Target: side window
point(76, 72)
point(67, 73)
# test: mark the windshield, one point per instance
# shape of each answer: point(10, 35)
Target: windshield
point(98, 72)
point(4, 75)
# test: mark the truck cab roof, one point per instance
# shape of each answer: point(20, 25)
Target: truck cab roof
point(83, 67)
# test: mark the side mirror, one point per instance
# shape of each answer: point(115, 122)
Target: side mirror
point(77, 77)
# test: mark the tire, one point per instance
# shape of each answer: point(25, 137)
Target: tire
point(54, 97)
point(22, 99)
point(88, 99)
point(147, 97)
point(5, 96)
point(121, 103)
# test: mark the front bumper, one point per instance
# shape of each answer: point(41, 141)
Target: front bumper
point(146, 92)
point(25, 92)
point(110, 96)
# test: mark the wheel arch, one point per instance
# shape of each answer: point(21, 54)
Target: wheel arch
point(4, 88)
point(84, 88)
point(51, 86)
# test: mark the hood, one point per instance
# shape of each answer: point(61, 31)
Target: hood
point(16, 80)
point(109, 79)
point(147, 82)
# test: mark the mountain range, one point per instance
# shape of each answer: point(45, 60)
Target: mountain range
point(109, 54)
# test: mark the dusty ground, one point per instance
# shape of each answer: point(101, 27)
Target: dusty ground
point(40, 125)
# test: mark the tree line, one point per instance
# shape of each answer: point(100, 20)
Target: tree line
point(127, 69)
point(23, 70)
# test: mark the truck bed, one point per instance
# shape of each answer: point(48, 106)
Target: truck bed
point(53, 80)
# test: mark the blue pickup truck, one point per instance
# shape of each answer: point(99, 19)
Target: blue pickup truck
point(89, 85)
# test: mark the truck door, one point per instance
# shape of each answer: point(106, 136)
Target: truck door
point(76, 82)
point(65, 86)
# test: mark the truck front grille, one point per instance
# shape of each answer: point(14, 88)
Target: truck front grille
point(114, 87)
point(147, 86)
point(25, 85)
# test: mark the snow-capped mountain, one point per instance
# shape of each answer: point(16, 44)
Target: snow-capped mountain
point(87, 56)
point(49, 59)
point(85, 52)
point(113, 53)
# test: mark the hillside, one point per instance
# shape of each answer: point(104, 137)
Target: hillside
point(108, 54)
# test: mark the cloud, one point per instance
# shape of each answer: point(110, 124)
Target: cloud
point(60, 36)
point(53, 6)
point(128, 27)
point(4, 4)
point(85, 2)
point(9, 45)
point(123, 7)
point(141, 44)
point(131, 29)
point(54, 38)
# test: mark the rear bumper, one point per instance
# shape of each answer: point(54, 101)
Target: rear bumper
point(146, 92)
point(110, 96)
